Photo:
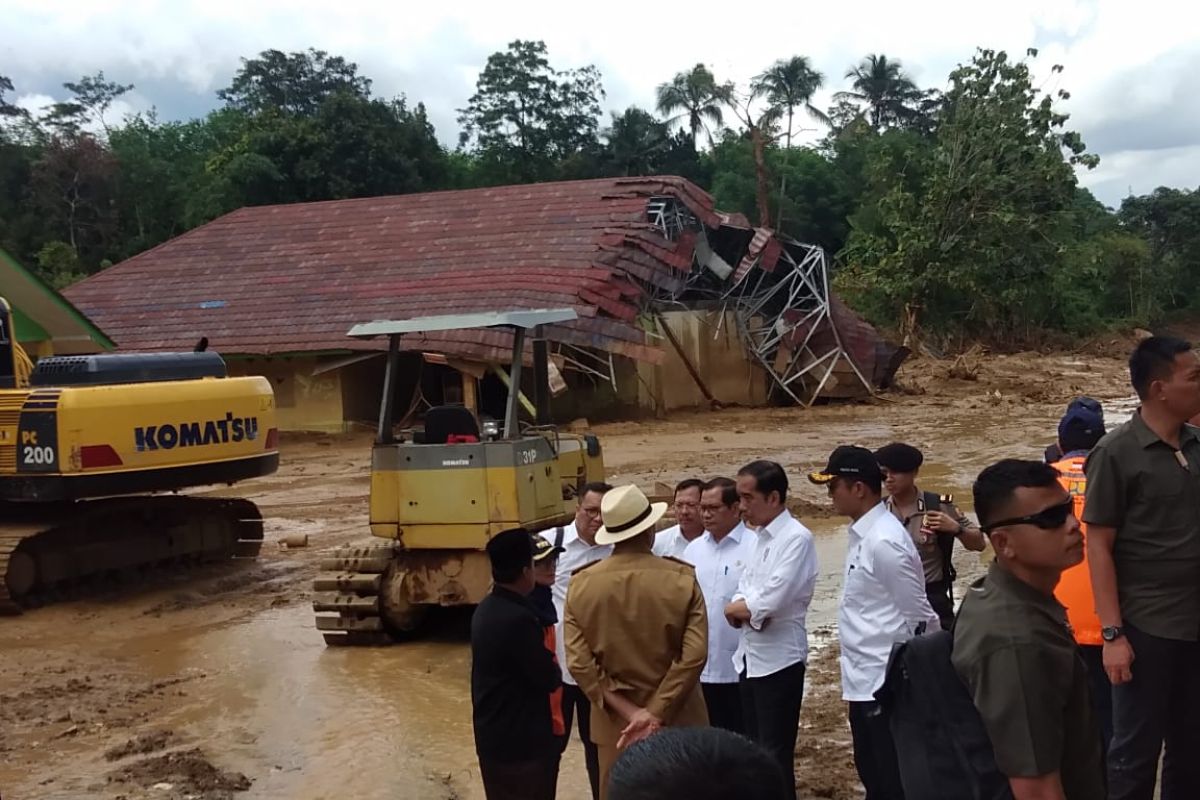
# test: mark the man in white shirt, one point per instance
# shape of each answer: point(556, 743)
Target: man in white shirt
point(770, 608)
point(579, 548)
point(719, 555)
point(674, 540)
point(883, 602)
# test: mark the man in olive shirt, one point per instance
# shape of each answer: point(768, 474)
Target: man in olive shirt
point(1013, 647)
point(1142, 510)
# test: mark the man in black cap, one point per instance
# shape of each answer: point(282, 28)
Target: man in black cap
point(883, 603)
point(1054, 452)
point(933, 524)
point(512, 676)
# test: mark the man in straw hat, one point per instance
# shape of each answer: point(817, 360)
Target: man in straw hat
point(636, 632)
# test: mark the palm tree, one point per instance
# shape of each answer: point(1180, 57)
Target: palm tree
point(881, 84)
point(790, 84)
point(694, 99)
point(635, 141)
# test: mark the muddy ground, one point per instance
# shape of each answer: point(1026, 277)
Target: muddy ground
point(213, 684)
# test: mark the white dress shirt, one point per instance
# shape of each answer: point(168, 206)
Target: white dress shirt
point(671, 542)
point(719, 567)
point(576, 553)
point(883, 600)
point(777, 586)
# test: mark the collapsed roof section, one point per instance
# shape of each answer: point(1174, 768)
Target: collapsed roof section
point(295, 278)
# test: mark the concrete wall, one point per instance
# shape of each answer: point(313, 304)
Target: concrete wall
point(303, 401)
point(714, 348)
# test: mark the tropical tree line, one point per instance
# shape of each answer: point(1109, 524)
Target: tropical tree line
point(951, 211)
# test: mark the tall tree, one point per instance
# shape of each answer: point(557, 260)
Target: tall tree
point(92, 96)
point(880, 84)
point(73, 185)
point(7, 110)
point(694, 99)
point(635, 141)
point(969, 249)
point(791, 84)
point(292, 83)
point(760, 125)
point(525, 116)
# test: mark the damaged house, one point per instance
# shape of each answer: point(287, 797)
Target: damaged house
point(679, 304)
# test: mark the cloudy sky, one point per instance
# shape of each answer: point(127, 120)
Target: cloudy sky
point(1128, 63)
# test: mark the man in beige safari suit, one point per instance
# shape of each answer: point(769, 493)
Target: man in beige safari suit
point(636, 632)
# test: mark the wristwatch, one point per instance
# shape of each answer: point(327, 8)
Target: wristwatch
point(1110, 633)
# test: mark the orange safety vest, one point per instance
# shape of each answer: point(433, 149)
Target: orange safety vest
point(556, 709)
point(1074, 589)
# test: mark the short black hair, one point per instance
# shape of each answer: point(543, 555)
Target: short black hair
point(510, 552)
point(689, 483)
point(996, 485)
point(599, 487)
point(699, 763)
point(1152, 360)
point(728, 487)
point(768, 477)
point(900, 457)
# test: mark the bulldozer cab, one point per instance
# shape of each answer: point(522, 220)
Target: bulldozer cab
point(454, 485)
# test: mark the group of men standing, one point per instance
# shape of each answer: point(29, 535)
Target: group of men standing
point(705, 623)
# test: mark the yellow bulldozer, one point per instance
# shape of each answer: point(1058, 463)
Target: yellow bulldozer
point(438, 494)
point(93, 449)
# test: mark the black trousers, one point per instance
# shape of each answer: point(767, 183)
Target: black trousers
point(1100, 690)
point(1160, 705)
point(941, 599)
point(771, 711)
point(724, 701)
point(519, 780)
point(576, 705)
point(875, 752)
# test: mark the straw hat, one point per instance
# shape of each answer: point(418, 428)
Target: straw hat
point(626, 513)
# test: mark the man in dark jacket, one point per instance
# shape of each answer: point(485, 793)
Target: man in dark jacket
point(512, 675)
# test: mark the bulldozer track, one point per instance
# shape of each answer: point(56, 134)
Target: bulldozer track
point(46, 554)
point(347, 595)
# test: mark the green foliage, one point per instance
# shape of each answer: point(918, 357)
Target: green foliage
point(58, 264)
point(694, 100)
point(974, 245)
point(292, 83)
point(815, 206)
point(526, 117)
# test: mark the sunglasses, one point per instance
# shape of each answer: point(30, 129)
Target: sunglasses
point(1046, 519)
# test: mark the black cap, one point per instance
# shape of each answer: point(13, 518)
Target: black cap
point(1091, 404)
point(542, 549)
point(848, 461)
point(899, 457)
point(510, 549)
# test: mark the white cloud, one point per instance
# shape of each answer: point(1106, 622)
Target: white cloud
point(1124, 61)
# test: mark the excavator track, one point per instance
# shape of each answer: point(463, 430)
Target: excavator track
point(350, 595)
point(46, 552)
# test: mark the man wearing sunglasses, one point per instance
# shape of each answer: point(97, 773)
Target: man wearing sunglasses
point(1143, 516)
point(1013, 646)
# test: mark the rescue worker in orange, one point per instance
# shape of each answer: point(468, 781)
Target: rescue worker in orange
point(1078, 432)
point(636, 630)
point(545, 560)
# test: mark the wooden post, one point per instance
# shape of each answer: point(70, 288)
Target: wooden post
point(470, 394)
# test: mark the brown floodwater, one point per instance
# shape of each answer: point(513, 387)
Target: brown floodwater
point(263, 696)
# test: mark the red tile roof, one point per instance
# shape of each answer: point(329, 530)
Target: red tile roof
point(289, 278)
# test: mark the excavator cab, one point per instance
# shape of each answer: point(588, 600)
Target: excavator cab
point(439, 495)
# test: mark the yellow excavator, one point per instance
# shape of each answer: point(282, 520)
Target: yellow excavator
point(93, 449)
point(438, 494)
